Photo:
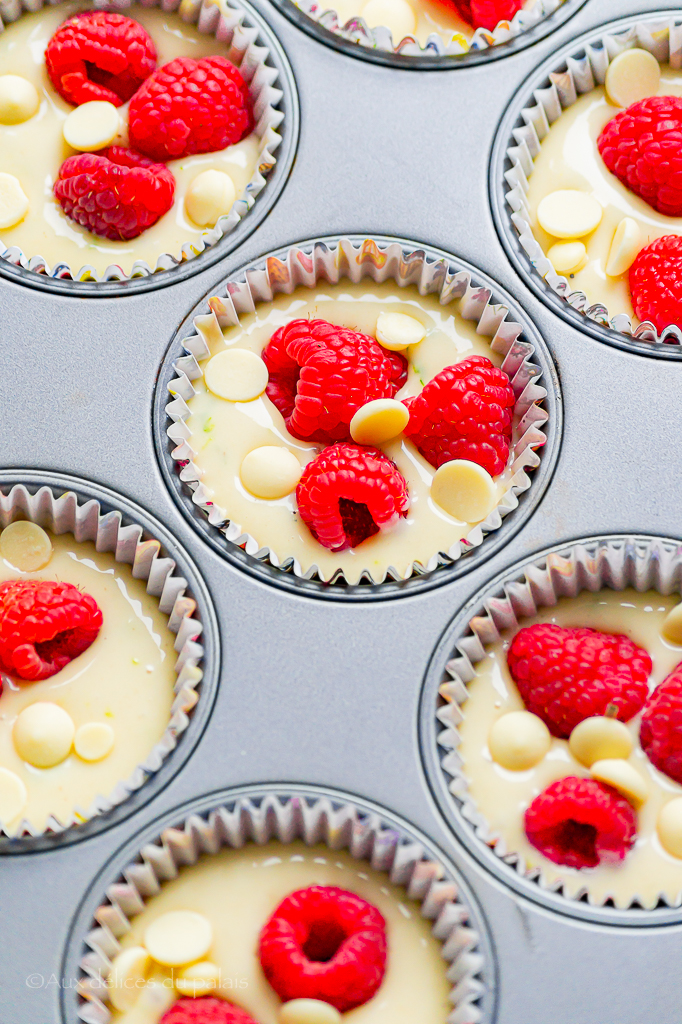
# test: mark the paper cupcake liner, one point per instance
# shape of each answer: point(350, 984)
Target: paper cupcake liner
point(356, 30)
point(313, 819)
point(331, 262)
point(232, 27)
point(574, 75)
point(644, 563)
point(67, 513)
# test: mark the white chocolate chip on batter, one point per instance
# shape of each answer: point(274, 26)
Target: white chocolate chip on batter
point(199, 979)
point(568, 257)
point(626, 243)
point(308, 1011)
point(210, 196)
point(127, 976)
point(464, 490)
point(569, 213)
point(396, 15)
point(92, 126)
point(631, 76)
point(93, 741)
point(397, 331)
point(622, 776)
point(13, 201)
point(236, 375)
point(19, 99)
point(270, 472)
point(179, 937)
point(25, 546)
point(155, 996)
point(43, 734)
point(13, 796)
point(669, 827)
point(379, 421)
point(672, 626)
point(519, 740)
point(598, 739)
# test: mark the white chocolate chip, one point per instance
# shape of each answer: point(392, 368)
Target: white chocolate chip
point(396, 15)
point(672, 626)
point(43, 734)
point(199, 979)
point(625, 245)
point(211, 195)
point(236, 375)
point(93, 741)
point(25, 546)
point(127, 976)
point(669, 827)
point(519, 740)
point(379, 421)
point(569, 213)
point(92, 126)
point(308, 1011)
point(270, 472)
point(179, 937)
point(599, 739)
point(13, 796)
point(631, 76)
point(13, 201)
point(19, 99)
point(155, 996)
point(464, 490)
point(396, 331)
point(568, 257)
point(622, 776)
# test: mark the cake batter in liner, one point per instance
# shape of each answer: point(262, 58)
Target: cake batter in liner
point(331, 263)
point(340, 826)
point(66, 513)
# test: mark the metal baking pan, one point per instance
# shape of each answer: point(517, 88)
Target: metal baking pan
point(325, 693)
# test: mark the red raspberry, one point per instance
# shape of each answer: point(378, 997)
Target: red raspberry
point(642, 146)
point(464, 413)
point(44, 626)
point(190, 106)
point(205, 1010)
point(115, 193)
point(320, 375)
point(99, 56)
point(348, 493)
point(324, 943)
point(581, 823)
point(567, 675)
point(656, 282)
point(661, 729)
point(487, 13)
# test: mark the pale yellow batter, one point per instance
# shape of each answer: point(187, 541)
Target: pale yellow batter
point(224, 432)
point(237, 890)
point(502, 796)
point(34, 151)
point(124, 679)
point(569, 159)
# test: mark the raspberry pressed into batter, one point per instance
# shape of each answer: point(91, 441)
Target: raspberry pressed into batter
point(487, 13)
point(656, 282)
point(205, 1010)
point(661, 728)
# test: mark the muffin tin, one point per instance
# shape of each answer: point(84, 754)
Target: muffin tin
point(316, 695)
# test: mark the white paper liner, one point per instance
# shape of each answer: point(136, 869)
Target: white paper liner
point(639, 562)
point(574, 76)
point(231, 27)
point(85, 520)
point(314, 820)
point(331, 263)
point(356, 30)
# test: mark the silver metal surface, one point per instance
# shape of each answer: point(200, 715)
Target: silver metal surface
point(327, 693)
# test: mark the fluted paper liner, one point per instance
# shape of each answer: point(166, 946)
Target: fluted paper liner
point(619, 562)
point(232, 28)
point(356, 30)
point(578, 74)
point(314, 820)
point(66, 513)
point(331, 262)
